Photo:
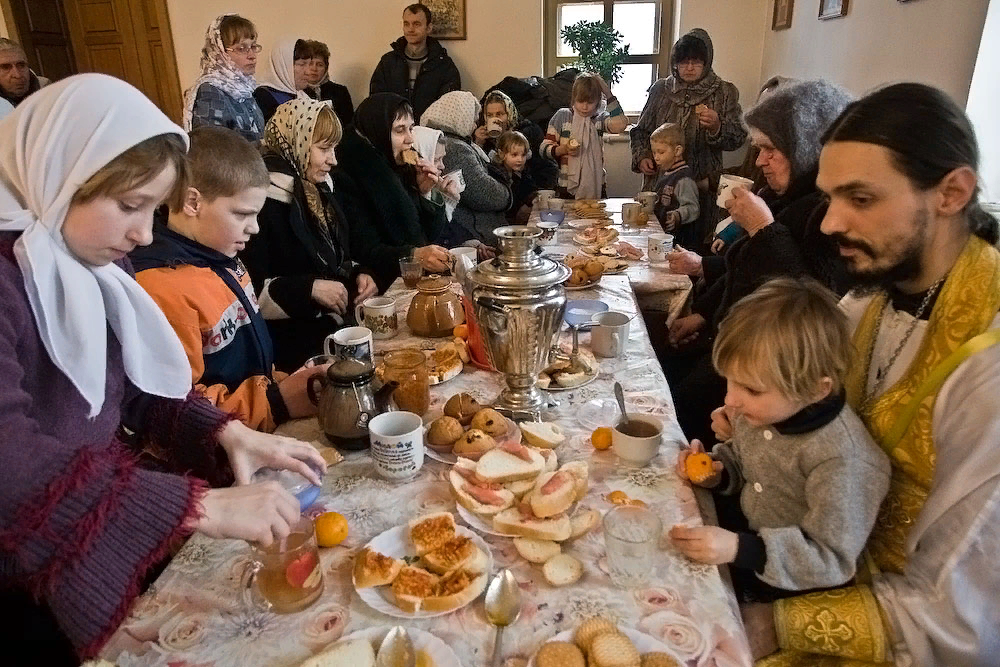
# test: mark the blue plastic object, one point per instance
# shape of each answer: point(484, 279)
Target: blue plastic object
point(304, 491)
point(580, 312)
point(552, 216)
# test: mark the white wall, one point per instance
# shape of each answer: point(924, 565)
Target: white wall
point(504, 36)
point(984, 97)
point(881, 41)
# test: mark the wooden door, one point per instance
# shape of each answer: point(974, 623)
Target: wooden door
point(44, 34)
point(129, 39)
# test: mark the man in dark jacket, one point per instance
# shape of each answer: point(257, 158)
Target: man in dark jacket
point(417, 67)
point(16, 80)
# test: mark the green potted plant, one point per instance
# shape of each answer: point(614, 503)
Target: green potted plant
point(599, 48)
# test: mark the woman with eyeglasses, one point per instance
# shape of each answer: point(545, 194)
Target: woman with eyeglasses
point(223, 94)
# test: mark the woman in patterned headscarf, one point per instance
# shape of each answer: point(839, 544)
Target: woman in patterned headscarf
point(223, 94)
point(300, 260)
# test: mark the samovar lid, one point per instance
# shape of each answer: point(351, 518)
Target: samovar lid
point(518, 266)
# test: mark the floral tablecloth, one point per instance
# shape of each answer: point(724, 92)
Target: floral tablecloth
point(193, 614)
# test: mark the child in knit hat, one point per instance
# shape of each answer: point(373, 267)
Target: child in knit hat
point(677, 204)
point(808, 475)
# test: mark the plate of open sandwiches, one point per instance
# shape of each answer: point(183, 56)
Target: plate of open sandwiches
point(596, 236)
point(569, 371)
point(361, 649)
point(467, 429)
point(519, 492)
point(428, 567)
point(599, 642)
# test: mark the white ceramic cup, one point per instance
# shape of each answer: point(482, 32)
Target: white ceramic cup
point(647, 199)
point(542, 199)
point(463, 251)
point(630, 212)
point(378, 313)
point(397, 444)
point(726, 183)
point(610, 336)
point(635, 449)
point(494, 128)
point(548, 232)
point(659, 246)
point(355, 342)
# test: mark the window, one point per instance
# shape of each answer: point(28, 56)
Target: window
point(645, 27)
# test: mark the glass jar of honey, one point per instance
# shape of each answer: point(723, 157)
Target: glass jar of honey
point(408, 368)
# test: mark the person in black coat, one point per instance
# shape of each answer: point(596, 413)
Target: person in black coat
point(321, 88)
point(417, 68)
point(300, 261)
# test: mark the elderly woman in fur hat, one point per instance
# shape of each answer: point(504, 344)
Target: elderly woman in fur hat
point(782, 238)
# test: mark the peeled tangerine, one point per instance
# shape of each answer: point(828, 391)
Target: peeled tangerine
point(699, 467)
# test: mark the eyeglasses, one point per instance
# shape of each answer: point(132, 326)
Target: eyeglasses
point(245, 50)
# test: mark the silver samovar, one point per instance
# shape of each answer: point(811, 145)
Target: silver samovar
point(519, 301)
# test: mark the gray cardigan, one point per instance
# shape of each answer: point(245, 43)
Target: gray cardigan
point(485, 200)
point(813, 497)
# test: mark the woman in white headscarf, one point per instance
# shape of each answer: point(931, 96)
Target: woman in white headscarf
point(223, 94)
point(287, 75)
point(483, 204)
point(84, 350)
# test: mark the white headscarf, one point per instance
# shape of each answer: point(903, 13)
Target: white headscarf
point(218, 69)
point(425, 141)
point(280, 73)
point(50, 146)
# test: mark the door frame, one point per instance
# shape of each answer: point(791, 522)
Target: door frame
point(8, 19)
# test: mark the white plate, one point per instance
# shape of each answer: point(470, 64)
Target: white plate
point(513, 435)
point(577, 288)
point(643, 643)
point(395, 543)
point(555, 387)
point(580, 223)
point(439, 653)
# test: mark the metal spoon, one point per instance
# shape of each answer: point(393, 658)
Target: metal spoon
point(620, 395)
point(503, 606)
point(396, 650)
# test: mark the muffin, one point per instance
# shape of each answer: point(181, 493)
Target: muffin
point(489, 421)
point(473, 444)
point(443, 433)
point(462, 407)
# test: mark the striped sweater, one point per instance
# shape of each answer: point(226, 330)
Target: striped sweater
point(561, 124)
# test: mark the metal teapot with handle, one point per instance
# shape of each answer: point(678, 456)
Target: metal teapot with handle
point(346, 402)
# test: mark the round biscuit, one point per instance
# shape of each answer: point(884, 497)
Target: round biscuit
point(658, 659)
point(590, 629)
point(613, 650)
point(559, 654)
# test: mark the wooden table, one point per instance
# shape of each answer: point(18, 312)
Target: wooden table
point(193, 614)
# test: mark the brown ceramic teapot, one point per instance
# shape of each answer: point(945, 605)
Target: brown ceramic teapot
point(435, 310)
point(346, 401)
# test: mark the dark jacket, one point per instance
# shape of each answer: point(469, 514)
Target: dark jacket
point(387, 217)
point(438, 75)
point(209, 301)
point(339, 96)
point(214, 106)
point(522, 187)
point(284, 259)
point(269, 99)
point(542, 171)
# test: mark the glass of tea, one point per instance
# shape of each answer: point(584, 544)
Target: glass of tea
point(287, 576)
point(411, 270)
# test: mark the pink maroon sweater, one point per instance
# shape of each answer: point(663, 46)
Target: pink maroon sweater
point(80, 521)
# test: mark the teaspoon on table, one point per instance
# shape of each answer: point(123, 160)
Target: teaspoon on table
point(620, 395)
point(503, 606)
point(396, 649)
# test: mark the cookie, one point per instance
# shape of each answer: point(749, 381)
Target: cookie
point(613, 650)
point(659, 660)
point(590, 629)
point(559, 654)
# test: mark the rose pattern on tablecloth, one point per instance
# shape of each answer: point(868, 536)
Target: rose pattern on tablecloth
point(702, 618)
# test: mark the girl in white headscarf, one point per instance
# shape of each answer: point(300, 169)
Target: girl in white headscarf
point(287, 76)
point(83, 164)
point(223, 94)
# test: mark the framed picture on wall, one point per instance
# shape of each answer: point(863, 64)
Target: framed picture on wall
point(448, 18)
point(782, 17)
point(831, 9)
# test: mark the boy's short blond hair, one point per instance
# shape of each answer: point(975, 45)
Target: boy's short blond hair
point(789, 334)
point(223, 164)
point(586, 88)
point(668, 133)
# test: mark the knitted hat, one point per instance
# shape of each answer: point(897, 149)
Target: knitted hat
point(794, 117)
point(455, 112)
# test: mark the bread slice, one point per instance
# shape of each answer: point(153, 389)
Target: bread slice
point(351, 653)
point(562, 570)
point(551, 460)
point(542, 434)
point(478, 564)
point(451, 555)
point(477, 498)
point(553, 494)
point(511, 522)
point(536, 551)
point(568, 380)
point(582, 521)
point(455, 590)
point(430, 531)
point(520, 488)
point(581, 473)
point(411, 586)
point(499, 465)
point(374, 569)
